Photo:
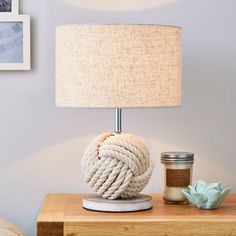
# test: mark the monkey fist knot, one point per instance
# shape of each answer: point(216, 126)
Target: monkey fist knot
point(117, 165)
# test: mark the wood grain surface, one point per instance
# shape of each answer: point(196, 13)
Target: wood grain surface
point(63, 215)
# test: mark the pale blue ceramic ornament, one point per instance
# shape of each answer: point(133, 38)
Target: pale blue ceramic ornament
point(206, 196)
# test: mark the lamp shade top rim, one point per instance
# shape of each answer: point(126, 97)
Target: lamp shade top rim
point(107, 25)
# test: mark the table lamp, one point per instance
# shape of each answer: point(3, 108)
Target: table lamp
point(118, 66)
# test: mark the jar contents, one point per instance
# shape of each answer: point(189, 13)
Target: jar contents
point(178, 169)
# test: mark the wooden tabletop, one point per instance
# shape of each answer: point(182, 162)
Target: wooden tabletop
point(62, 214)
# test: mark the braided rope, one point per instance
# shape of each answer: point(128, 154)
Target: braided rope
point(117, 165)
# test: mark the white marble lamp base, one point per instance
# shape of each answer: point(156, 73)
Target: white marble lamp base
point(96, 203)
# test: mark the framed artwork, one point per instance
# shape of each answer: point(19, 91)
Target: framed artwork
point(14, 38)
point(9, 7)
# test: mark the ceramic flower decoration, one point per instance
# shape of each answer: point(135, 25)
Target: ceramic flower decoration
point(206, 196)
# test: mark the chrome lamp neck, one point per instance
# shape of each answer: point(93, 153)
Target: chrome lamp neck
point(118, 121)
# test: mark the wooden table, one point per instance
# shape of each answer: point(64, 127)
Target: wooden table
point(63, 215)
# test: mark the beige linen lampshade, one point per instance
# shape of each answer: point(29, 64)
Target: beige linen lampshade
point(118, 66)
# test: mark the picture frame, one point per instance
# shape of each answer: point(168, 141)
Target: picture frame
point(15, 42)
point(9, 7)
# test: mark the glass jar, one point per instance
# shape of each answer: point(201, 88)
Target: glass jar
point(178, 169)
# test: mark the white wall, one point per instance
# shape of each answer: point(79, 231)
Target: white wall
point(41, 145)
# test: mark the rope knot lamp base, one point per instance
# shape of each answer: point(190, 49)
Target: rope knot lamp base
point(117, 166)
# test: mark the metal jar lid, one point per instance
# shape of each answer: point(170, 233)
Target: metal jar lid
point(167, 157)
